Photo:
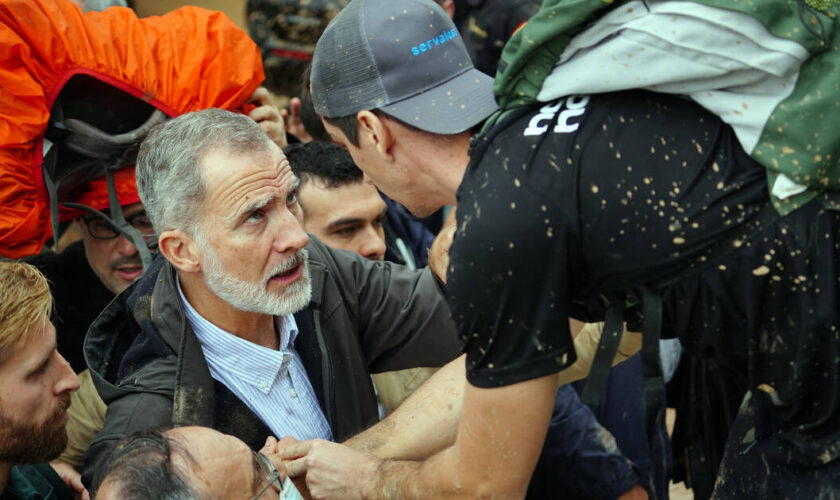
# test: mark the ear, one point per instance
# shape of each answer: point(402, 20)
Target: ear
point(180, 250)
point(375, 132)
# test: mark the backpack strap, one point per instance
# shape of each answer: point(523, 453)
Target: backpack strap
point(607, 348)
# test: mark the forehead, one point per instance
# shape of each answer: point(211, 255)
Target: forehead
point(38, 345)
point(233, 181)
point(356, 200)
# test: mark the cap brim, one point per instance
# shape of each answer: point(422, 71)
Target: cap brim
point(452, 107)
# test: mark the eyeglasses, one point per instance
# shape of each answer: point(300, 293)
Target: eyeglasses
point(101, 229)
point(268, 470)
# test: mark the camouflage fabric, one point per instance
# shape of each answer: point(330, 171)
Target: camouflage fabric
point(798, 139)
point(488, 26)
point(286, 32)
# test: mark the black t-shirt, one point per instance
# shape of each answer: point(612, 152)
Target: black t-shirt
point(587, 197)
point(79, 298)
point(568, 204)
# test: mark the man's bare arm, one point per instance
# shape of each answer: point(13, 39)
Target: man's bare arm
point(426, 422)
point(494, 453)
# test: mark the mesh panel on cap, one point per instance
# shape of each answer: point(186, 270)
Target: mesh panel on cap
point(354, 84)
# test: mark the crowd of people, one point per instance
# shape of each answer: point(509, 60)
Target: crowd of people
point(480, 249)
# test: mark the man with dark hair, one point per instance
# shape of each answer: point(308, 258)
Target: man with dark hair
point(584, 206)
point(345, 212)
point(246, 324)
point(187, 463)
point(338, 207)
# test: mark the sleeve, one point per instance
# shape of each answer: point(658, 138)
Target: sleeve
point(509, 276)
point(401, 315)
point(130, 413)
point(85, 418)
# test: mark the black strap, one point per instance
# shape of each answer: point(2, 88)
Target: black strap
point(651, 361)
point(607, 348)
point(654, 384)
point(119, 220)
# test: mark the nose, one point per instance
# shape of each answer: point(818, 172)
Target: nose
point(67, 380)
point(373, 243)
point(124, 246)
point(290, 235)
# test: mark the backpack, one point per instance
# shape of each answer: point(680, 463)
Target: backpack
point(769, 68)
point(81, 90)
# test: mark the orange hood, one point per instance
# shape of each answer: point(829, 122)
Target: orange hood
point(186, 60)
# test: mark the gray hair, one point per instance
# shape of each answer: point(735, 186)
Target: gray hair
point(168, 173)
point(140, 467)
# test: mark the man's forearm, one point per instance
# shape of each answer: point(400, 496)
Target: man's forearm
point(426, 422)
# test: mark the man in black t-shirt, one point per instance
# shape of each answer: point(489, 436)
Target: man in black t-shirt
point(566, 207)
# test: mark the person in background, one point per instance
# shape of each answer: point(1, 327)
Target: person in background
point(188, 462)
point(244, 323)
point(35, 387)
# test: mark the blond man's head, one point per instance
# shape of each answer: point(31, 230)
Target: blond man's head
point(26, 300)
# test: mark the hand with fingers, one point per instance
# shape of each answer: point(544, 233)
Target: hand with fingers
point(332, 471)
point(272, 449)
point(293, 121)
point(268, 116)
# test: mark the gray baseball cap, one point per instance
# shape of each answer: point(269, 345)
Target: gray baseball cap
point(403, 57)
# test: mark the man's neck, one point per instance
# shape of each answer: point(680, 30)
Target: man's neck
point(253, 327)
point(445, 163)
point(5, 470)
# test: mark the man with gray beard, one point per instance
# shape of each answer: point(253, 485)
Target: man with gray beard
point(244, 323)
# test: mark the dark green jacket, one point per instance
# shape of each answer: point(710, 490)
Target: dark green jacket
point(35, 482)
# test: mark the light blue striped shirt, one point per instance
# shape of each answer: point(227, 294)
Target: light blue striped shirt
point(273, 384)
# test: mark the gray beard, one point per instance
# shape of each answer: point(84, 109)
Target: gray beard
point(255, 297)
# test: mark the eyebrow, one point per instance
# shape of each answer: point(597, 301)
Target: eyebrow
point(258, 204)
point(45, 359)
point(348, 221)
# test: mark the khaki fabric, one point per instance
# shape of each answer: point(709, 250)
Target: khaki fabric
point(586, 344)
point(85, 417)
point(394, 387)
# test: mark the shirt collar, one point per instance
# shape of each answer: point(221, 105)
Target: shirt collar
point(250, 362)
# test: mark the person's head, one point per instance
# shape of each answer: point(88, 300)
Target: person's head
point(448, 6)
point(339, 208)
point(184, 463)
point(413, 80)
point(223, 201)
point(113, 258)
point(35, 381)
point(286, 32)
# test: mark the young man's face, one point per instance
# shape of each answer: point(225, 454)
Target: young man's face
point(35, 387)
point(348, 217)
point(113, 257)
point(251, 237)
point(394, 181)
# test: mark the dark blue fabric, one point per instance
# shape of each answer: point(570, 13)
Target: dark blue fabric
point(580, 457)
point(622, 412)
point(416, 236)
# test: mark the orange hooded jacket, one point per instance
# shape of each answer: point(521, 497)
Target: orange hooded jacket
point(186, 60)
